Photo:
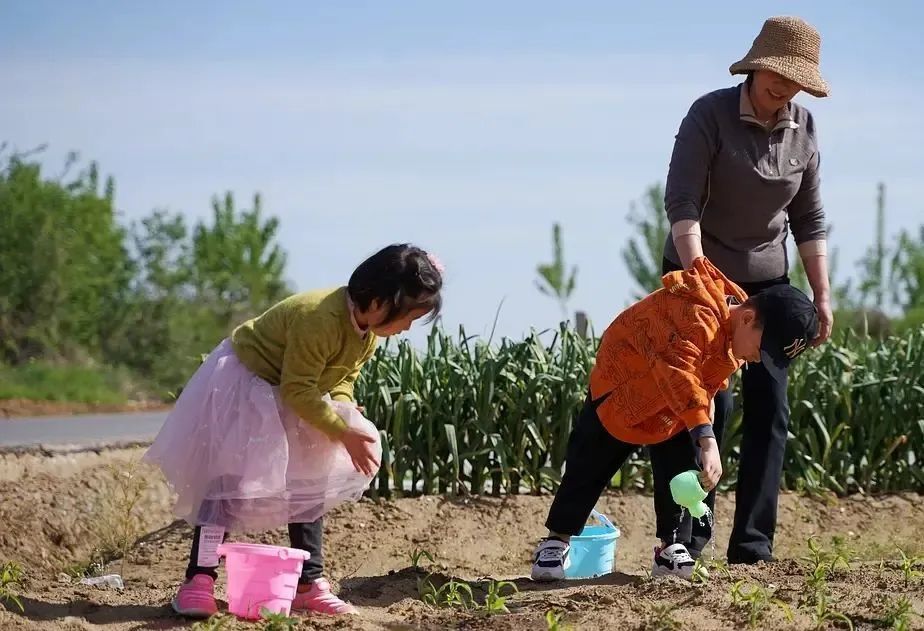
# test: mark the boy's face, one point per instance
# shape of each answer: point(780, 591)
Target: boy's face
point(747, 336)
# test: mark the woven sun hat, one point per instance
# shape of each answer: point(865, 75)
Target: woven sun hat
point(790, 47)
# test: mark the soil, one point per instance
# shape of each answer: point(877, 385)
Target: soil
point(21, 408)
point(58, 510)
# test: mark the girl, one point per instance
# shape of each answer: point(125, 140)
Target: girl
point(254, 441)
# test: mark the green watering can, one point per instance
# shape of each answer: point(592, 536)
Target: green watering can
point(688, 492)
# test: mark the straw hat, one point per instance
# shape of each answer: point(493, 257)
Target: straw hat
point(790, 47)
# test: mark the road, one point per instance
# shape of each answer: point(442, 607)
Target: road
point(89, 429)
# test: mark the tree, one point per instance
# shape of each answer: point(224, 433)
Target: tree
point(64, 268)
point(237, 265)
point(643, 257)
point(554, 278)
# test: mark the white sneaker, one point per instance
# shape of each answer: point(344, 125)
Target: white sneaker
point(550, 560)
point(674, 560)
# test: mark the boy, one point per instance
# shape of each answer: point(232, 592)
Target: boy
point(658, 367)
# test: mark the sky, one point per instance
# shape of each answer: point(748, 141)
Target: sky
point(468, 128)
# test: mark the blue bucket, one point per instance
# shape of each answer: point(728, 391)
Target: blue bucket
point(593, 551)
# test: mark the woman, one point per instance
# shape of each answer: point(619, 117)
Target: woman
point(744, 171)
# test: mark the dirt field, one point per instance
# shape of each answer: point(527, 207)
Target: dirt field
point(56, 511)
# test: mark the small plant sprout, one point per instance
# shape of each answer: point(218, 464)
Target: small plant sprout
point(450, 594)
point(897, 615)
point(702, 570)
point(10, 580)
point(553, 621)
point(419, 554)
point(495, 601)
point(757, 601)
point(661, 618)
point(218, 622)
point(823, 613)
point(908, 564)
point(274, 621)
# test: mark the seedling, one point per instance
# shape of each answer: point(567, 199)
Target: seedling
point(218, 622)
point(10, 579)
point(662, 619)
point(907, 566)
point(819, 558)
point(274, 621)
point(417, 555)
point(451, 594)
point(553, 621)
point(702, 570)
point(824, 613)
point(495, 602)
point(757, 601)
point(898, 614)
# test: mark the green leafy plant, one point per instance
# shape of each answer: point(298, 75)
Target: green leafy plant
point(274, 621)
point(495, 601)
point(661, 618)
point(702, 570)
point(218, 622)
point(757, 602)
point(11, 576)
point(553, 621)
point(897, 614)
point(823, 613)
point(907, 565)
point(451, 594)
point(419, 554)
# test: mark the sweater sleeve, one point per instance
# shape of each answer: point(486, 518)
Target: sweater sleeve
point(806, 212)
point(343, 391)
point(309, 347)
point(678, 375)
point(687, 178)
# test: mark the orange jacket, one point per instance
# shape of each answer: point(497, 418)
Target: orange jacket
point(663, 359)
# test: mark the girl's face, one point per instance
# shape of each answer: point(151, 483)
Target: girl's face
point(379, 312)
point(771, 91)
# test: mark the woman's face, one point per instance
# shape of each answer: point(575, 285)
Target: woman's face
point(770, 91)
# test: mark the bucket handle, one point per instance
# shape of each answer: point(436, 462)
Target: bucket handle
point(603, 519)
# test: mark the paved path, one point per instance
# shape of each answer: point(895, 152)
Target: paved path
point(89, 429)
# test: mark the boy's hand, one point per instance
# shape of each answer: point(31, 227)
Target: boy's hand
point(359, 445)
point(712, 463)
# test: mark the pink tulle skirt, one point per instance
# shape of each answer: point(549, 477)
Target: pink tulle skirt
point(239, 458)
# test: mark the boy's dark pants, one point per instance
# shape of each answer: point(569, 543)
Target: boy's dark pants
point(593, 458)
point(764, 429)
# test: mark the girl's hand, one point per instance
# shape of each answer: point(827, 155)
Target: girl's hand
point(712, 463)
point(359, 445)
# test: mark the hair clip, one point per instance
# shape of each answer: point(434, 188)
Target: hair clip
point(436, 263)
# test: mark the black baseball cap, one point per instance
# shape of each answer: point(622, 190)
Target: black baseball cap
point(790, 325)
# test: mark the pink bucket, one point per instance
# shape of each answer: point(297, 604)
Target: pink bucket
point(261, 577)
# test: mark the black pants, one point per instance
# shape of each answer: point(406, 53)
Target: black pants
point(593, 458)
point(764, 430)
point(302, 536)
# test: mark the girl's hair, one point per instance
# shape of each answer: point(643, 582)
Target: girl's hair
point(401, 276)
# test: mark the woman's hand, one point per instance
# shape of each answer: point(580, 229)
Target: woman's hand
point(712, 463)
point(359, 445)
point(825, 320)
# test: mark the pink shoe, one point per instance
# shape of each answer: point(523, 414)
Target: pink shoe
point(319, 599)
point(196, 597)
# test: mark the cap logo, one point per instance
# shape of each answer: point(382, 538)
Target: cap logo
point(795, 348)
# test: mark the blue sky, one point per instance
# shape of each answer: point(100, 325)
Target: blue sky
point(466, 127)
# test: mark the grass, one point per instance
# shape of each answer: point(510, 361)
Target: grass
point(897, 614)
point(11, 576)
point(45, 381)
